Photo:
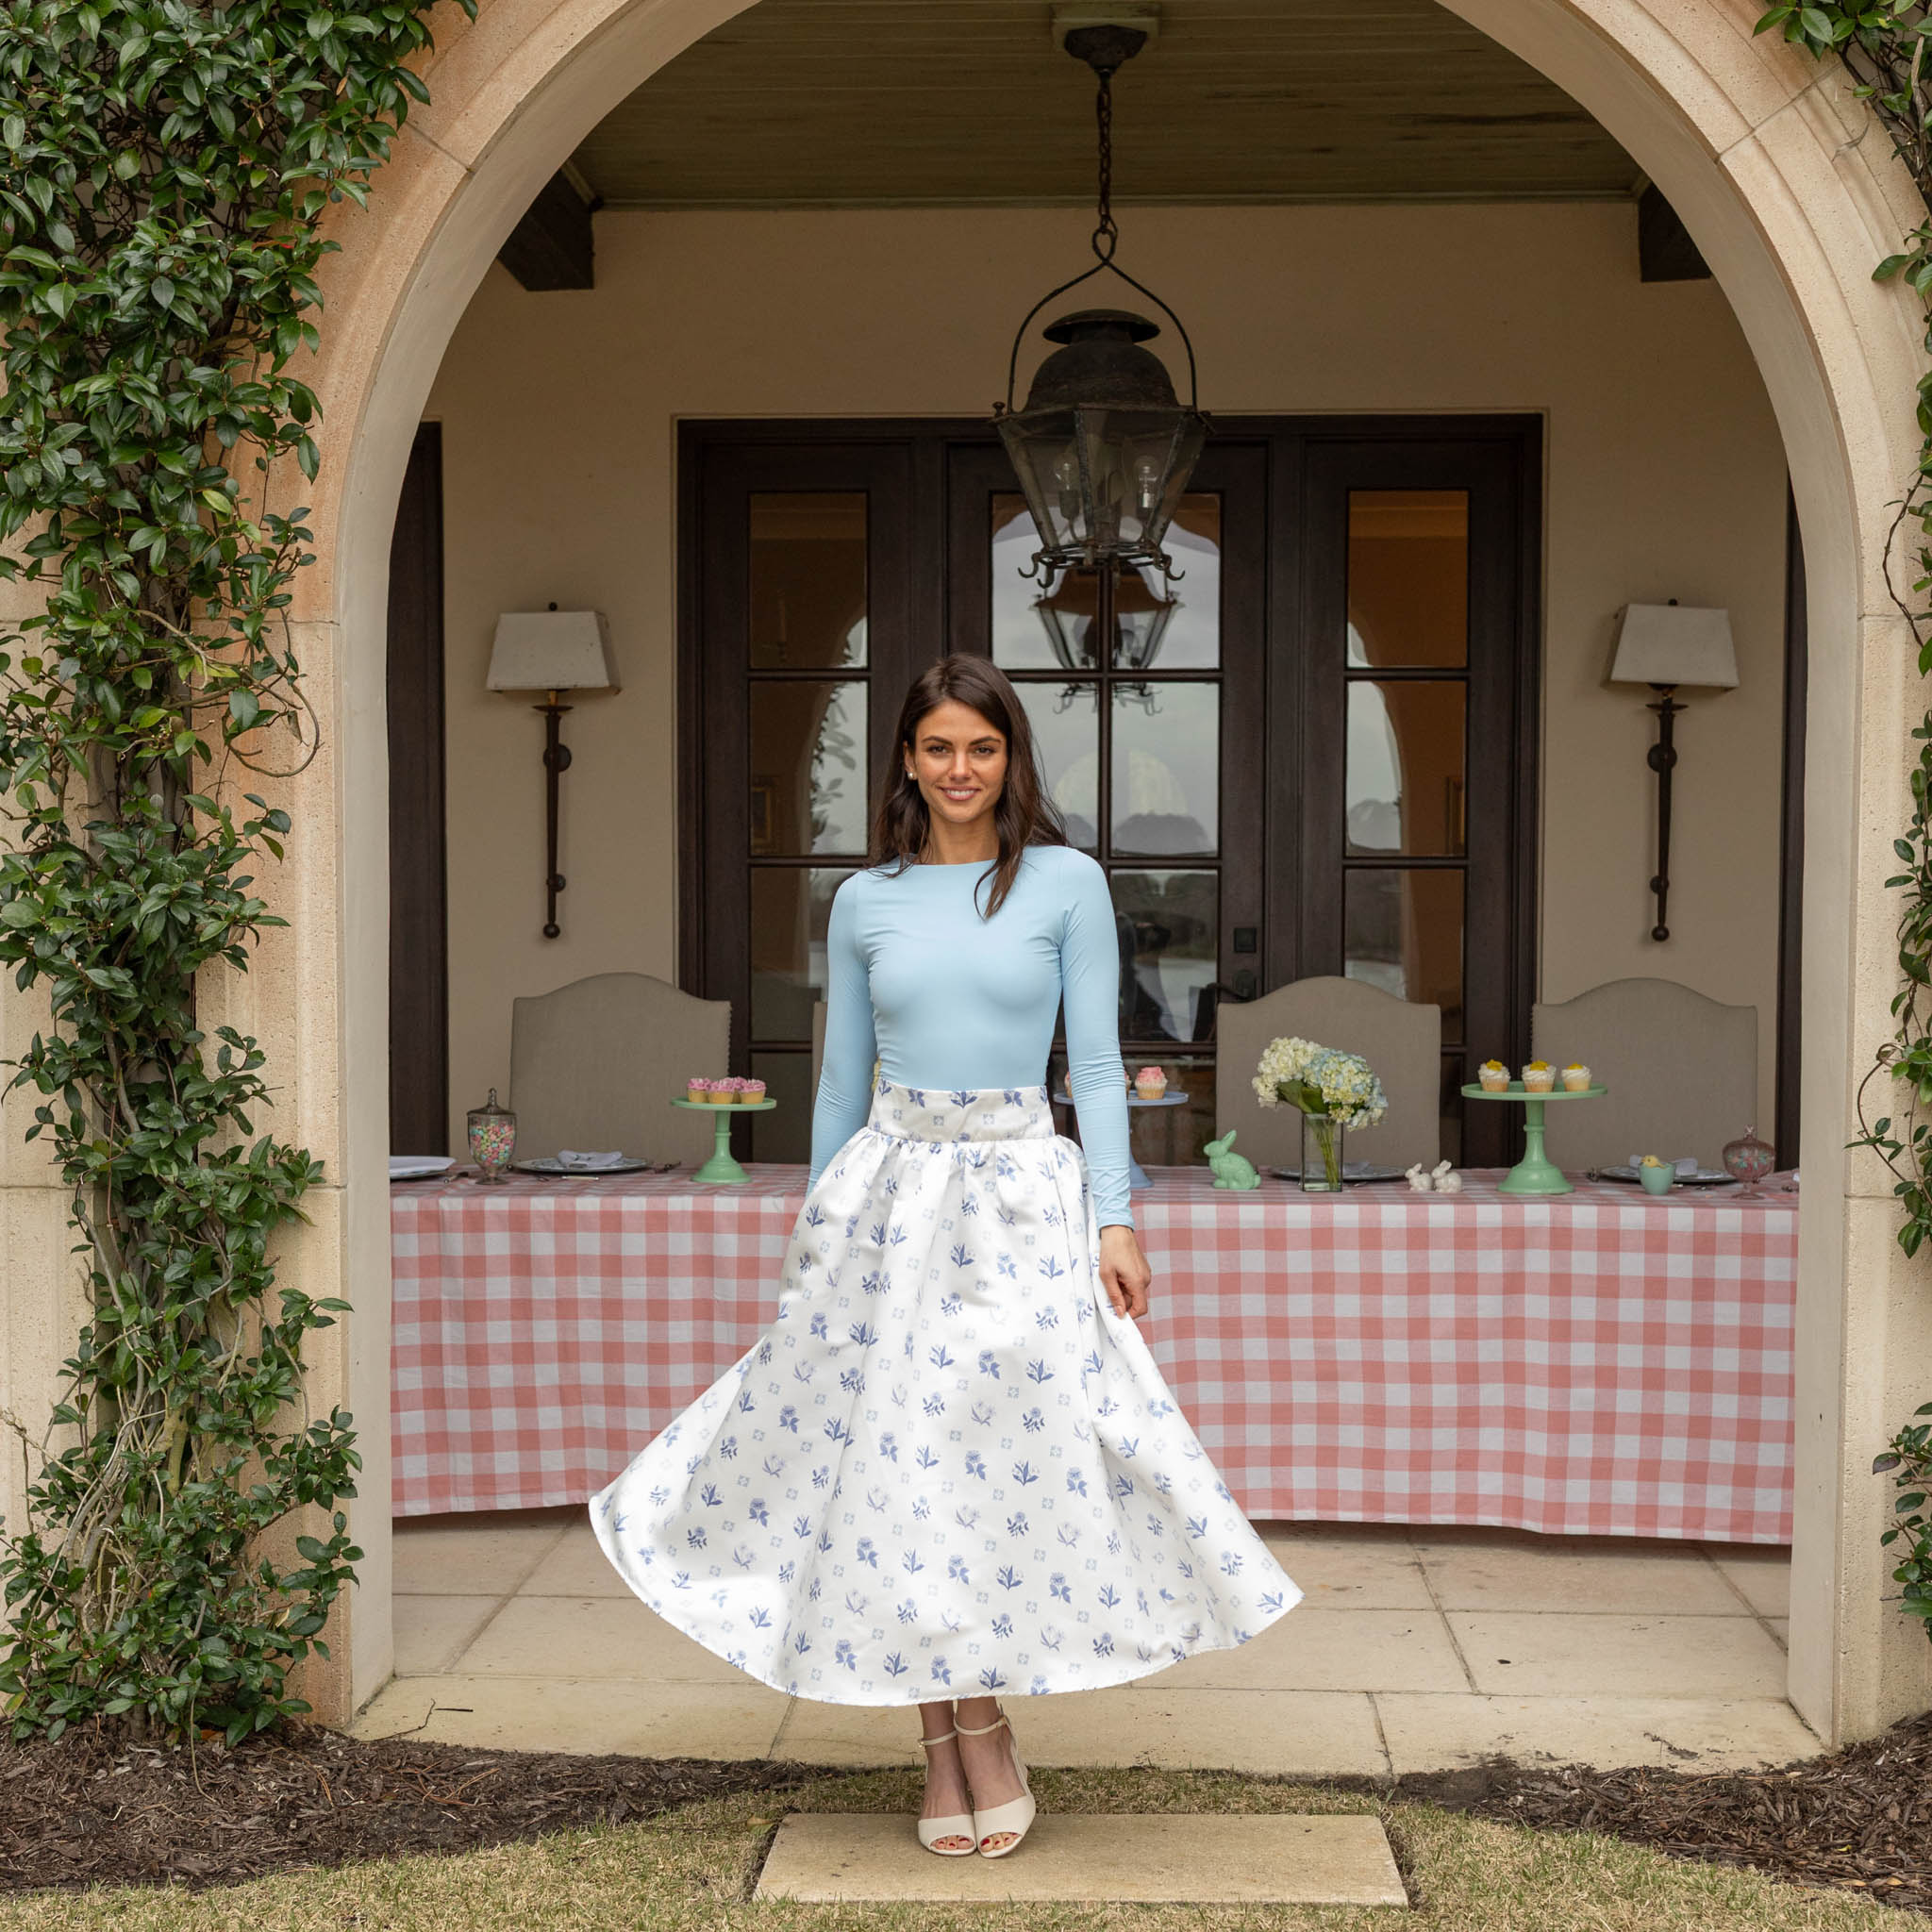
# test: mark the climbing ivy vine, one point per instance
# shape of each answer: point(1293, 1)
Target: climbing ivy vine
point(1884, 46)
point(164, 169)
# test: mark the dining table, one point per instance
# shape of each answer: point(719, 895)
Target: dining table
point(1600, 1362)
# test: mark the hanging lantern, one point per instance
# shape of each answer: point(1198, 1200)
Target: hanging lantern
point(1103, 448)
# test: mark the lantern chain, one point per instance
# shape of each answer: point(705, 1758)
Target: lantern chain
point(1106, 236)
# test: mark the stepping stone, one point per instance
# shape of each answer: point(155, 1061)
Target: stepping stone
point(1338, 1859)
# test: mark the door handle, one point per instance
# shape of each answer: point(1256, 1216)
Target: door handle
point(1242, 988)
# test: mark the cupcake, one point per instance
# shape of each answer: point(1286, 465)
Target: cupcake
point(721, 1093)
point(1150, 1083)
point(750, 1091)
point(698, 1091)
point(1539, 1076)
point(1577, 1077)
point(1494, 1076)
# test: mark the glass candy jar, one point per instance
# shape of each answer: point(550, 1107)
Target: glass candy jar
point(1749, 1159)
point(1322, 1136)
point(493, 1138)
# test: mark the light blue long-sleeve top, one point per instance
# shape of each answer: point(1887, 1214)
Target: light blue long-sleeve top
point(945, 997)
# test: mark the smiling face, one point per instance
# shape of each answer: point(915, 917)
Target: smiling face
point(957, 759)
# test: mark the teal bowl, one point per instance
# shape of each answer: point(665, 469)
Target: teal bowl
point(1658, 1180)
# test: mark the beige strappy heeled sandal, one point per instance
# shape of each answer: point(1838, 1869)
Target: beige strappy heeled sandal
point(959, 1827)
point(1014, 1818)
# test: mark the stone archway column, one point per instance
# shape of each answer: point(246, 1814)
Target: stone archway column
point(1789, 186)
point(1766, 158)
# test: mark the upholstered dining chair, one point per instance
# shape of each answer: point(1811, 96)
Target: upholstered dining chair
point(596, 1064)
point(1681, 1069)
point(1401, 1039)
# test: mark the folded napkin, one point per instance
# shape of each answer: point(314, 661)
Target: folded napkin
point(570, 1157)
point(1685, 1163)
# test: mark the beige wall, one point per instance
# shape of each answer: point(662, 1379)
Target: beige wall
point(1666, 479)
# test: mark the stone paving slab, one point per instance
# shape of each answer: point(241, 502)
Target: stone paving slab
point(1341, 1859)
point(1440, 1733)
point(1303, 1732)
point(507, 1713)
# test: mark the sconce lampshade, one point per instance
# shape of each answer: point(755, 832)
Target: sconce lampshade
point(1674, 644)
point(552, 650)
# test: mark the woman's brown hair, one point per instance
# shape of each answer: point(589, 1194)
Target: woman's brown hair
point(1023, 815)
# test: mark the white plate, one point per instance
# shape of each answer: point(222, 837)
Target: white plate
point(418, 1166)
point(555, 1169)
point(1703, 1177)
point(1351, 1170)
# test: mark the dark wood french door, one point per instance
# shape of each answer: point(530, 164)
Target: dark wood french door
point(1313, 751)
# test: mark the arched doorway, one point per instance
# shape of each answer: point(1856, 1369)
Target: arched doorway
point(1750, 142)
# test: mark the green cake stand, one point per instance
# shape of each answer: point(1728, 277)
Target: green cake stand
point(721, 1167)
point(1534, 1173)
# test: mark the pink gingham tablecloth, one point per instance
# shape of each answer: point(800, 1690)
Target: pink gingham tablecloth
point(1597, 1363)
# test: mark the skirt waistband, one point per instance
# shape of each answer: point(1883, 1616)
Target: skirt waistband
point(960, 1113)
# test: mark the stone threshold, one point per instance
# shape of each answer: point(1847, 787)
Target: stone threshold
point(1160, 1858)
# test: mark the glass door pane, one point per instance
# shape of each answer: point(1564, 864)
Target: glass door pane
point(1166, 768)
point(809, 789)
point(1404, 767)
point(808, 579)
point(1065, 717)
point(1408, 577)
point(790, 908)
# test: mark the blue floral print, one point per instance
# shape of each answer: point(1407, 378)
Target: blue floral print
point(961, 1415)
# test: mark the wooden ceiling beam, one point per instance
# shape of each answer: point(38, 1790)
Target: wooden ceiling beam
point(551, 247)
point(1665, 251)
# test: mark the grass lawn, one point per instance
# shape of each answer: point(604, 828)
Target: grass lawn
point(693, 1868)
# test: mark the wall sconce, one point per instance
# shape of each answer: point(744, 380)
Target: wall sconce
point(552, 651)
point(1665, 645)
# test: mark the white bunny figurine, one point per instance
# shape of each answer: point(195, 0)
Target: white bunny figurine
point(1420, 1181)
point(1446, 1180)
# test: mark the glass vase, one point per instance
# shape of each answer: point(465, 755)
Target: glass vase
point(1322, 1136)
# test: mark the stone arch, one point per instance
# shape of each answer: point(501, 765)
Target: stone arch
point(1792, 193)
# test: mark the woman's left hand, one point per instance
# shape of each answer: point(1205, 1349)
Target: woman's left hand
point(1124, 1271)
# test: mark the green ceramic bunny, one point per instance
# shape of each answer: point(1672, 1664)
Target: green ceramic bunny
point(1231, 1169)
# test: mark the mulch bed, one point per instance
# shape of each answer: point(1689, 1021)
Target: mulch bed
point(95, 1810)
point(1858, 1819)
point(90, 1809)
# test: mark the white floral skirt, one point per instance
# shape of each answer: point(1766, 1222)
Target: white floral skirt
point(948, 1467)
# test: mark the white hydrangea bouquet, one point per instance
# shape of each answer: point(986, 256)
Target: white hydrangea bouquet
point(1332, 1088)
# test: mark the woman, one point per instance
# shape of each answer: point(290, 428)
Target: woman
point(950, 1466)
